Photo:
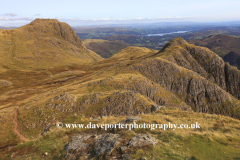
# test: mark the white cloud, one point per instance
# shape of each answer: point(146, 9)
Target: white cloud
point(14, 19)
point(10, 14)
point(78, 19)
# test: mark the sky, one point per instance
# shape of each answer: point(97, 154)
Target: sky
point(94, 12)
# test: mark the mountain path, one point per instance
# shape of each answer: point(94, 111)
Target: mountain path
point(16, 126)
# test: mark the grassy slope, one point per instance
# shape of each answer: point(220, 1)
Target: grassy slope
point(218, 137)
point(39, 46)
point(220, 43)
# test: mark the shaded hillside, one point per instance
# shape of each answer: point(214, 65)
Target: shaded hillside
point(132, 52)
point(233, 58)
point(222, 45)
point(103, 47)
point(43, 43)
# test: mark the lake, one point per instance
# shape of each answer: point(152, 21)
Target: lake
point(162, 34)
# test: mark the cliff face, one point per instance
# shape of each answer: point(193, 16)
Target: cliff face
point(197, 75)
point(204, 62)
point(232, 80)
point(199, 93)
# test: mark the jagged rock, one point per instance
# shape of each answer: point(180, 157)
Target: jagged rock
point(133, 118)
point(206, 63)
point(232, 80)
point(95, 119)
point(143, 158)
point(156, 108)
point(130, 119)
point(105, 144)
point(123, 149)
point(63, 102)
point(201, 94)
point(142, 139)
point(77, 148)
point(5, 83)
point(126, 157)
point(46, 129)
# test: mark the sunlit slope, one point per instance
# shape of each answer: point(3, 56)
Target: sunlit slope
point(171, 85)
point(43, 43)
point(204, 62)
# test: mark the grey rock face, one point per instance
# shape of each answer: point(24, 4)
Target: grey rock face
point(155, 108)
point(5, 83)
point(233, 80)
point(201, 94)
point(105, 144)
point(77, 148)
point(147, 88)
point(142, 139)
point(206, 63)
point(126, 157)
point(46, 129)
point(63, 102)
point(102, 144)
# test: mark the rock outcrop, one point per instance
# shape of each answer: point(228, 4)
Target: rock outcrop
point(149, 89)
point(232, 80)
point(204, 62)
point(5, 83)
point(119, 103)
point(141, 140)
point(105, 146)
point(63, 102)
point(201, 94)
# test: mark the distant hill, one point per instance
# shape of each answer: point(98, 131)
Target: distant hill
point(43, 43)
point(104, 48)
point(227, 47)
point(233, 58)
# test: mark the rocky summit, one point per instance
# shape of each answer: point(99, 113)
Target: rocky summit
point(41, 44)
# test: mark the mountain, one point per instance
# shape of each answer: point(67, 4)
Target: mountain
point(182, 84)
point(222, 45)
point(42, 44)
point(104, 48)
